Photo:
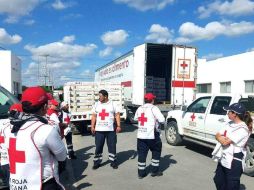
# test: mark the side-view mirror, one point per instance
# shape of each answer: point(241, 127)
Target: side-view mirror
point(184, 108)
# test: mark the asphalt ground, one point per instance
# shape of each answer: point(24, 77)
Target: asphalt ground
point(186, 167)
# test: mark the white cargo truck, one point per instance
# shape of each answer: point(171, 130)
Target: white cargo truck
point(167, 70)
point(203, 118)
point(81, 96)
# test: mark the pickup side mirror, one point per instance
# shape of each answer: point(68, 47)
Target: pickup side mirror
point(184, 108)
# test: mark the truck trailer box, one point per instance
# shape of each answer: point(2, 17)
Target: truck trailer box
point(167, 70)
point(81, 96)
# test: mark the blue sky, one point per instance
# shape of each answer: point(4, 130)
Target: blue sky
point(76, 37)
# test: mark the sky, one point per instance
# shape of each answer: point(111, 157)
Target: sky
point(73, 38)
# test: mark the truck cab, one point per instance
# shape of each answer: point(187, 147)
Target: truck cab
point(203, 118)
point(6, 100)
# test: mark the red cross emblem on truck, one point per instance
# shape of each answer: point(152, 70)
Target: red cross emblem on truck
point(15, 156)
point(142, 119)
point(103, 114)
point(193, 117)
point(183, 65)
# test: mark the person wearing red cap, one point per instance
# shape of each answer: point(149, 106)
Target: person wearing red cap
point(149, 118)
point(15, 109)
point(52, 112)
point(34, 145)
point(64, 118)
point(102, 125)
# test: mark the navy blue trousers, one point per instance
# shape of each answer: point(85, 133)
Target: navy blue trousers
point(229, 179)
point(68, 139)
point(143, 146)
point(100, 137)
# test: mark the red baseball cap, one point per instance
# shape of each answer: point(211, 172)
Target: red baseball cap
point(16, 107)
point(53, 102)
point(149, 96)
point(50, 96)
point(35, 95)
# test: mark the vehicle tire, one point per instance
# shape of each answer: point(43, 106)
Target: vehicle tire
point(172, 135)
point(249, 168)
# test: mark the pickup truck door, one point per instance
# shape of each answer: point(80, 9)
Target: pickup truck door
point(194, 118)
point(216, 117)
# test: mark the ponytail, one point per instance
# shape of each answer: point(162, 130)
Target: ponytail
point(247, 119)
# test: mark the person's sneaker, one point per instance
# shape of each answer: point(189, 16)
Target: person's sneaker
point(114, 165)
point(141, 176)
point(96, 166)
point(159, 173)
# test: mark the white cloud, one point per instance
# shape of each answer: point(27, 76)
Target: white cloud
point(6, 38)
point(15, 9)
point(190, 32)
point(62, 58)
point(62, 51)
point(159, 34)
point(144, 5)
point(87, 74)
point(59, 5)
point(212, 56)
point(114, 38)
point(29, 22)
point(250, 49)
point(106, 52)
point(233, 8)
point(68, 39)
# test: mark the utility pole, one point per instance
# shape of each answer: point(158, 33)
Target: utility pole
point(43, 71)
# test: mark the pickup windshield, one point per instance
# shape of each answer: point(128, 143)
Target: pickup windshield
point(6, 100)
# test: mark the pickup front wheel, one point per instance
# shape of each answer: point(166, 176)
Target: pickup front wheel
point(249, 168)
point(172, 135)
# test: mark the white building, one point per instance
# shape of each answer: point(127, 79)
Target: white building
point(233, 74)
point(10, 72)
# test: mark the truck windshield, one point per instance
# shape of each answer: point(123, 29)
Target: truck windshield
point(6, 100)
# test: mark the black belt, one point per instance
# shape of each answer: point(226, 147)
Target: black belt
point(238, 156)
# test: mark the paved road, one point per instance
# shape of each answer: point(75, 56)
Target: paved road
point(187, 167)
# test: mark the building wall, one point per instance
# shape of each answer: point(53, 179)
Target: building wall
point(10, 71)
point(235, 69)
point(16, 74)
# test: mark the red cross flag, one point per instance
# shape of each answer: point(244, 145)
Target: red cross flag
point(183, 69)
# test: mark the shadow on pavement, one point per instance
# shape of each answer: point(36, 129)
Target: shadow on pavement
point(125, 155)
point(75, 168)
point(126, 128)
point(206, 151)
point(83, 185)
point(166, 161)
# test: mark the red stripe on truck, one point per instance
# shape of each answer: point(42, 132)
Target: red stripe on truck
point(186, 84)
point(126, 84)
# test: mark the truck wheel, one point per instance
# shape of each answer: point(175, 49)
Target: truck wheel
point(172, 135)
point(249, 168)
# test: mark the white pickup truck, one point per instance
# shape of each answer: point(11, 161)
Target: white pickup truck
point(203, 118)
